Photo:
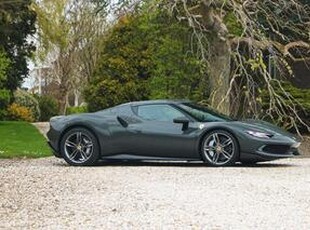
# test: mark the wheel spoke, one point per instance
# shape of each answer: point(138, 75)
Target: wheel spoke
point(215, 157)
point(73, 154)
point(216, 138)
point(83, 155)
point(70, 144)
point(227, 142)
point(79, 137)
point(226, 154)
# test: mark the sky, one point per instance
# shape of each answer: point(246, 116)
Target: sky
point(29, 81)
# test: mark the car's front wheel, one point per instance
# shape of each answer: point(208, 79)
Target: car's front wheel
point(80, 147)
point(219, 148)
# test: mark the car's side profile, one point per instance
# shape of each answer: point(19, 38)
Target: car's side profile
point(166, 130)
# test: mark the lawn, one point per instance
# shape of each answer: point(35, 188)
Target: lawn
point(21, 139)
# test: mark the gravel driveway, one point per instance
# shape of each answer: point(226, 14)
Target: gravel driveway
point(46, 193)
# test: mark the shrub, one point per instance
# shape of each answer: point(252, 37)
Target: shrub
point(27, 100)
point(102, 93)
point(48, 107)
point(78, 109)
point(19, 113)
point(4, 102)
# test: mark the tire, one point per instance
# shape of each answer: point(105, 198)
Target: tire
point(79, 147)
point(219, 148)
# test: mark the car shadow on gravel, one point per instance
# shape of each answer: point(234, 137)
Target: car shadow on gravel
point(183, 164)
point(192, 164)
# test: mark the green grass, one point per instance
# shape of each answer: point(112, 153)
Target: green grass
point(21, 139)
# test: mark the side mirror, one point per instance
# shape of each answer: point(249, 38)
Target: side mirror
point(182, 120)
point(122, 121)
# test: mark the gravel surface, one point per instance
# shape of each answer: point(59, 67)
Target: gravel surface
point(46, 193)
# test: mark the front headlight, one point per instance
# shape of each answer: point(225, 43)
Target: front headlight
point(259, 134)
point(296, 145)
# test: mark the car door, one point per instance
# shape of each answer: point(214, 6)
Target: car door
point(122, 137)
point(158, 135)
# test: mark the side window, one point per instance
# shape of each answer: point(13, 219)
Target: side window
point(158, 112)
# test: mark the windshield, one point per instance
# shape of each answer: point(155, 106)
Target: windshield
point(202, 113)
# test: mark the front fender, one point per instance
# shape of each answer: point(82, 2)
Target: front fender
point(209, 127)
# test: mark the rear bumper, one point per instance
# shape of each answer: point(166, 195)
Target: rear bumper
point(53, 141)
point(54, 149)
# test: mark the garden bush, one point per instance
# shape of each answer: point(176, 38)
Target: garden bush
point(27, 100)
point(18, 112)
point(48, 107)
point(77, 109)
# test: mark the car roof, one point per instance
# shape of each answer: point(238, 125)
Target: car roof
point(149, 102)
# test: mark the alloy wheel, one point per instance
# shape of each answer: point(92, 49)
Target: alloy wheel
point(78, 147)
point(219, 148)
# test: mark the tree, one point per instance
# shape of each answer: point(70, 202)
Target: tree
point(4, 94)
point(123, 68)
point(4, 64)
point(146, 56)
point(68, 37)
point(235, 39)
point(176, 72)
point(17, 23)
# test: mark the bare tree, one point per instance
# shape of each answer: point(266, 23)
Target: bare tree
point(280, 29)
point(69, 32)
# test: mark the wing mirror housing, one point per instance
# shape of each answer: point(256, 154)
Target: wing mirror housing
point(182, 120)
point(122, 121)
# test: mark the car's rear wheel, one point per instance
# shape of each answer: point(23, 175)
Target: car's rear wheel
point(80, 147)
point(219, 148)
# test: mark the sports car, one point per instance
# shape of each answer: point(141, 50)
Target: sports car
point(166, 130)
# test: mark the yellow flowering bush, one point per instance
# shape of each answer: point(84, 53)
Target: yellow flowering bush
point(19, 113)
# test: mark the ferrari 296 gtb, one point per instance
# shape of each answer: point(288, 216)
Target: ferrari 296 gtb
point(167, 130)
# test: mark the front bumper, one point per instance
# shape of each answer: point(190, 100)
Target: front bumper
point(279, 151)
point(269, 149)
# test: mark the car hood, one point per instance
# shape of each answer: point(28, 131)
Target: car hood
point(263, 126)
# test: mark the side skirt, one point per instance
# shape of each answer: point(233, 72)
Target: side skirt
point(141, 158)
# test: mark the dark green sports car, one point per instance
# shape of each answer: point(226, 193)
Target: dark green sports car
point(167, 130)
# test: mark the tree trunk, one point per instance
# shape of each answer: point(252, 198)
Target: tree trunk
point(64, 99)
point(76, 97)
point(219, 61)
point(219, 71)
